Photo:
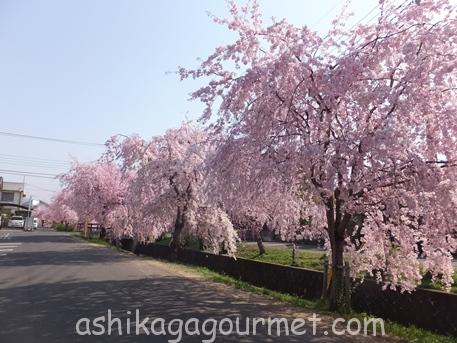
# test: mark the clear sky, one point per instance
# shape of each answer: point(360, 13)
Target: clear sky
point(88, 69)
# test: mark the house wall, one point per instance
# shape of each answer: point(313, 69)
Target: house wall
point(17, 188)
point(17, 197)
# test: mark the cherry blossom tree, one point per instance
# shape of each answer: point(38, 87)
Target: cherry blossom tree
point(58, 210)
point(168, 188)
point(360, 122)
point(175, 175)
point(96, 192)
point(130, 153)
point(258, 197)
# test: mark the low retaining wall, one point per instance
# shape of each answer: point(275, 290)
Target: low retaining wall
point(299, 281)
point(431, 310)
point(302, 282)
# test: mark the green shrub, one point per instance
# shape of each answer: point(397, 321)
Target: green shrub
point(64, 227)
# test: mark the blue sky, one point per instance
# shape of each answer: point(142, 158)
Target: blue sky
point(87, 69)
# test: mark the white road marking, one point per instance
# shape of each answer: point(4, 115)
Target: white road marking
point(10, 246)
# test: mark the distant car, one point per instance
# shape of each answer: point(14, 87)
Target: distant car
point(35, 223)
point(16, 221)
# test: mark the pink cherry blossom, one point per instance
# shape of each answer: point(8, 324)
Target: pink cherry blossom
point(58, 211)
point(168, 189)
point(358, 127)
point(96, 192)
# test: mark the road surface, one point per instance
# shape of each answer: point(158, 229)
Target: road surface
point(50, 280)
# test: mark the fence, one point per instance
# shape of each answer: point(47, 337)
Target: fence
point(431, 310)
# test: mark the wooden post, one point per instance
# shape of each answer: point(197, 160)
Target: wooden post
point(325, 281)
point(347, 283)
point(260, 244)
point(294, 254)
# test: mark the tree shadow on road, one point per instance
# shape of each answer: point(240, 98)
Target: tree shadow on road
point(75, 256)
point(48, 312)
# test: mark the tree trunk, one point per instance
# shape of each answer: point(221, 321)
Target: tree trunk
point(135, 246)
point(337, 222)
point(260, 244)
point(86, 228)
point(338, 293)
point(103, 233)
point(176, 240)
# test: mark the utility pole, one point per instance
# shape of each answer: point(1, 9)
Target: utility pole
point(29, 221)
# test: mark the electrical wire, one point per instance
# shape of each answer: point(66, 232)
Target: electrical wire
point(40, 188)
point(326, 14)
point(31, 174)
point(34, 165)
point(34, 159)
point(49, 139)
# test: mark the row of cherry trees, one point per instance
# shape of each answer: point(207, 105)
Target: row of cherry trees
point(350, 137)
point(146, 189)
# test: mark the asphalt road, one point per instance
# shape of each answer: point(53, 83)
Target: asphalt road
point(50, 280)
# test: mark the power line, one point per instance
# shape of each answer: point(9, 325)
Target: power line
point(372, 18)
point(326, 14)
point(31, 163)
point(31, 174)
point(12, 160)
point(41, 162)
point(49, 139)
point(41, 188)
point(15, 164)
point(34, 158)
point(388, 15)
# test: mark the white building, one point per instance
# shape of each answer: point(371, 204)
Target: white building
point(11, 193)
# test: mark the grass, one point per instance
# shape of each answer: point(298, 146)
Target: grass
point(99, 241)
point(282, 255)
point(410, 334)
point(428, 284)
point(164, 241)
point(64, 228)
point(307, 259)
point(239, 284)
point(454, 287)
point(313, 260)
